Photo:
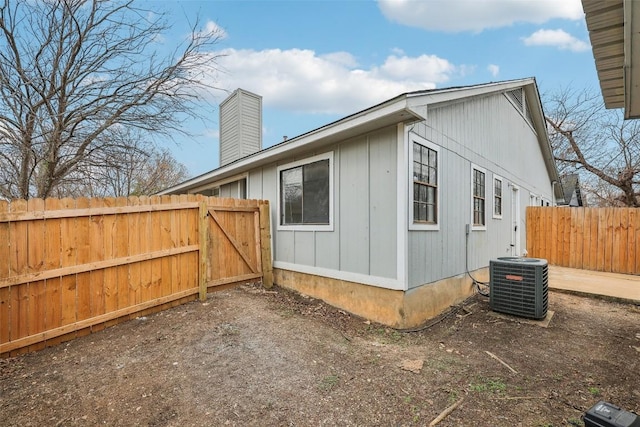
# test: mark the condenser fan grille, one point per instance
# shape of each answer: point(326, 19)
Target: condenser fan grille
point(519, 286)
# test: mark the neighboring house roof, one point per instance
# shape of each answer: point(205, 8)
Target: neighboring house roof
point(614, 31)
point(406, 108)
point(571, 187)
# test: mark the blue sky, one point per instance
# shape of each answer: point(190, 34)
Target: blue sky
point(316, 61)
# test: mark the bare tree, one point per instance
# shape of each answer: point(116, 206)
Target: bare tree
point(73, 73)
point(160, 171)
point(597, 143)
point(141, 171)
point(131, 166)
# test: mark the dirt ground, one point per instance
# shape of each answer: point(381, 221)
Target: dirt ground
point(250, 357)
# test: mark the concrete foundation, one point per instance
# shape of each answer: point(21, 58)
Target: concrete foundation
point(397, 309)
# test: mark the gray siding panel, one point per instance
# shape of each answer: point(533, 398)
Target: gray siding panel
point(305, 247)
point(328, 243)
point(440, 254)
point(229, 190)
point(354, 203)
point(364, 236)
point(328, 250)
point(383, 210)
point(285, 249)
point(490, 133)
point(254, 190)
point(268, 192)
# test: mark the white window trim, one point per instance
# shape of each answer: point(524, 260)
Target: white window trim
point(402, 205)
point(479, 227)
point(418, 225)
point(493, 209)
point(306, 227)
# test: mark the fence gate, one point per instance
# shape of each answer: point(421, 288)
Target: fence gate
point(233, 252)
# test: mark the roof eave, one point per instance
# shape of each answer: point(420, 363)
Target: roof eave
point(394, 111)
point(631, 59)
point(615, 43)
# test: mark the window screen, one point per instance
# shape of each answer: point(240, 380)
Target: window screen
point(304, 194)
point(425, 184)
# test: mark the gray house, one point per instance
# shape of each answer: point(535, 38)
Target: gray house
point(383, 212)
point(572, 191)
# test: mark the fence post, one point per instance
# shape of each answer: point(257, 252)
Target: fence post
point(203, 226)
point(265, 245)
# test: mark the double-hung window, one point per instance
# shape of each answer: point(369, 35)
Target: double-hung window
point(497, 197)
point(479, 190)
point(424, 184)
point(305, 193)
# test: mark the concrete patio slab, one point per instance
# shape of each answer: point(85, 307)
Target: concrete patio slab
point(613, 285)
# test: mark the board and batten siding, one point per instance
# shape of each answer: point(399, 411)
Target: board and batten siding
point(488, 132)
point(364, 236)
point(233, 189)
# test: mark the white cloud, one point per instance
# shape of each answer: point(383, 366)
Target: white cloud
point(302, 81)
point(428, 69)
point(211, 28)
point(556, 38)
point(477, 15)
point(341, 58)
point(494, 69)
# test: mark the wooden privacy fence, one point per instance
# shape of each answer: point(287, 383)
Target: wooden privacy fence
point(600, 239)
point(72, 266)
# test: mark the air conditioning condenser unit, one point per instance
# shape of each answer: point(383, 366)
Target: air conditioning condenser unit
point(519, 286)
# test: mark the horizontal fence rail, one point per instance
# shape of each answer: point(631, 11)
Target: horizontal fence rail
point(599, 239)
point(72, 266)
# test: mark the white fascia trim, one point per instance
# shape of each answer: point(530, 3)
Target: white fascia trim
point(365, 279)
point(418, 107)
point(306, 227)
point(397, 105)
point(479, 227)
point(411, 137)
point(445, 95)
point(402, 206)
point(493, 206)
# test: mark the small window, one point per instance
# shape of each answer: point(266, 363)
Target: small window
point(497, 197)
point(479, 189)
point(424, 184)
point(305, 193)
